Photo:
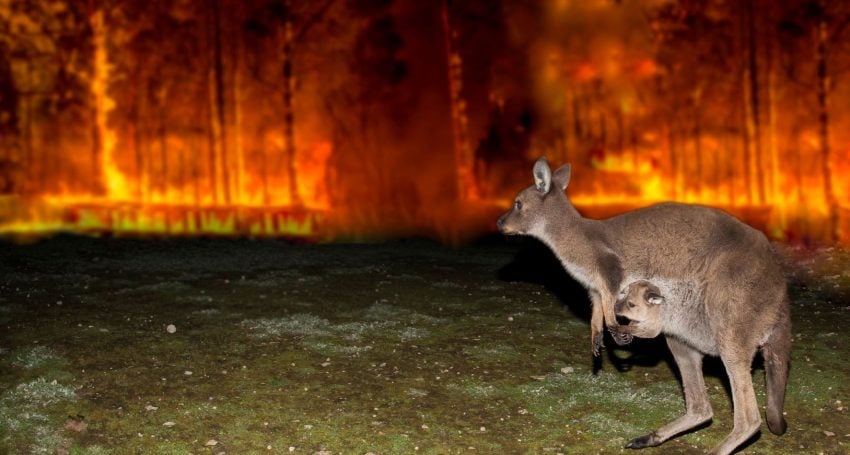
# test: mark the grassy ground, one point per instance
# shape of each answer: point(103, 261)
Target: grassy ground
point(403, 347)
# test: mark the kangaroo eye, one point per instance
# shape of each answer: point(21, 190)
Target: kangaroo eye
point(518, 204)
point(631, 305)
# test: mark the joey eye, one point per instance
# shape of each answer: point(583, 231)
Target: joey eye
point(518, 204)
point(631, 305)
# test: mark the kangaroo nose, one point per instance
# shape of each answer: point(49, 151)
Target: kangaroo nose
point(500, 223)
point(622, 320)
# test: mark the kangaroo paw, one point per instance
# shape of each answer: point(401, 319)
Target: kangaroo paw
point(649, 440)
point(596, 343)
point(619, 337)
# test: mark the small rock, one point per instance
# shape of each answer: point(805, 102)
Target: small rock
point(169, 424)
point(211, 442)
point(510, 318)
point(77, 425)
point(828, 433)
point(187, 373)
point(151, 408)
point(170, 328)
point(567, 370)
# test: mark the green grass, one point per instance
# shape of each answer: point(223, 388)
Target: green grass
point(404, 347)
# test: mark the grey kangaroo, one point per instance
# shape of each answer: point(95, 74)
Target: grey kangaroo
point(728, 271)
point(679, 310)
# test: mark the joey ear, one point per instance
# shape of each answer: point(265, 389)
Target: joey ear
point(542, 175)
point(654, 298)
point(562, 176)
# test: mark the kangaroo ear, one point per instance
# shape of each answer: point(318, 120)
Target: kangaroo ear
point(654, 298)
point(542, 175)
point(562, 176)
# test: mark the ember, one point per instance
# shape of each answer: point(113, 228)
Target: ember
point(359, 118)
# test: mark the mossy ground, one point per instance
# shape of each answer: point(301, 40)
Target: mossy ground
point(401, 347)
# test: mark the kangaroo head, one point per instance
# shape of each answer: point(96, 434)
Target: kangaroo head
point(541, 202)
point(639, 306)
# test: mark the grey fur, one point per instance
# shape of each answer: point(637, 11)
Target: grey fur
point(723, 271)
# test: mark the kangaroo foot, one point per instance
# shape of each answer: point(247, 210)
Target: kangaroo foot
point(649, 440)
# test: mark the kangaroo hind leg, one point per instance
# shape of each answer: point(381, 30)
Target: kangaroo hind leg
point(698, 408)
point(746, 414)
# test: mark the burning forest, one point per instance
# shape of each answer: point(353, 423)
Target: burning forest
point(360, 118)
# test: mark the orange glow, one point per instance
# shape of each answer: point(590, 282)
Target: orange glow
point(645, 68)
point(116, 135)
point(586, 72)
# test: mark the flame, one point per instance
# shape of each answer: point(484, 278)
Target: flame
point(177, 208)
point(117, 187)
point(312, 169)
point(236, 182)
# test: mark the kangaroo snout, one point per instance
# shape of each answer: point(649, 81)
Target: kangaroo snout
point(504, 226)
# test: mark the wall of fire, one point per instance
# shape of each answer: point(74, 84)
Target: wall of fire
point(374, 117)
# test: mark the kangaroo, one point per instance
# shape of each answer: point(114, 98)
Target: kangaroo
point(680, 311)
point(719, 260)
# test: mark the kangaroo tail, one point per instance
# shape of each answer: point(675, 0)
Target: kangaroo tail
point(777, 352)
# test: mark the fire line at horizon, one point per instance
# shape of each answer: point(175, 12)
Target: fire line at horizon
point(340, 118)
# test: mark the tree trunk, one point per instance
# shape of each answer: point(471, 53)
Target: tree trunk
point(29, 159)
point(697, 131)
point(135, 137)
point(823, 87)
point(220, 117)
point(289, 114)
point(264, 163)
point(239, 150)
point(747, 137)
point(96, 146)
point(212, 140)
point(755, 105)
point(98, 93)
point(162, 138)
point(776, 198)
point(467, 186)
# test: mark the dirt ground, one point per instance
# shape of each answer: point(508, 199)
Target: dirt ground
point(211, 346)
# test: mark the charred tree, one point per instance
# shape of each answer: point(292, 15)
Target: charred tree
point(697, 138)
point(823, 83)
point(467, 186)
point(219, 106)
point(754, 122)
point(9, 132)
point(98, 108)
point(289, 112)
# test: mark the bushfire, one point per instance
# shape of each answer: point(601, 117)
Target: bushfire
point(349, 118)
